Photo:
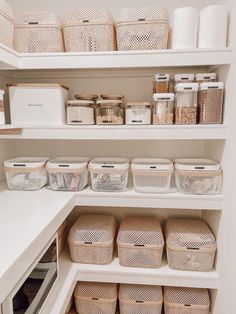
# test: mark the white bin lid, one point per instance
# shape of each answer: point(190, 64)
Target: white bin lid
point(184, 77)
point(152, 164)
point(68, 162)
point(40, 86)
point(162, 77)
point(205, 76)
point(109, 163)
point(164, 97)
point(26, 162)
point(212, 85)
point(186, 87)
point(197, 165)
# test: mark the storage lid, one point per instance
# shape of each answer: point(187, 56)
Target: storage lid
point(138, 104)
point(162, 77)
point(86, 97)
point(184, 77)
point(75, 103)
point(152, 164)
point(186, 87)
point(26, 162)
point(34, 18)
point(88, 16)
point(140, 231)
point(6, 10)
point(109, 102)
point(205, 76)
point(164, 97)
point(96, 291)
point(38, 86)
point(211, 85)
point(143, 14)
point(112, 97)
point(109, 163)
point(190, 234)
point(68, 163)
point(195, 164)
point(140, 293)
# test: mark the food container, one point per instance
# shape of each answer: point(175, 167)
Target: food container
point(140, 242)
point(138, 113)
point(26, 173)
point(198, 176)
point(96, 297)
point(91, 239)
point(163, 109)
point(186, 103)
point(80, 112)
point(68, 173)
point(191, 245)
point(7, 24)
point(211, 97)
point(161, 83)
point(2, 113)
point(205, 77)
point(186, 300)
point(152, 175)
point(183, 78)
point(38, 104)
point(143, 28)
point(141, 299)
point(38, 32)
point(109, 174)
point(109, 112)
point(89, 30)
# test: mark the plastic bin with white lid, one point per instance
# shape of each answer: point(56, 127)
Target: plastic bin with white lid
point(198, 176)
point(26, 173)
point(163, 109)
point(184, 78)
point(152, 175)
point(68, 173)
point(109, 174)
point(205, 77)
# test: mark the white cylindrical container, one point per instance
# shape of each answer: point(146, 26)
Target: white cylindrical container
point(138, 113)
point(185, 28)
point(213, 26)
point(2, 113)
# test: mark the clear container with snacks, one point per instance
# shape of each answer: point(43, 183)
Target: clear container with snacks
point(186, 103)
point(163, 109)
point(109, 112)
point(109, 174)
point(138, 113)
point(161, 83)
point(211, 98)
point(205, 77)
point(26, 173)
point(68, 173)
point(80, 112)
point(198, 176)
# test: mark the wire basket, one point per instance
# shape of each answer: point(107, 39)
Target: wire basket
point(7, 24)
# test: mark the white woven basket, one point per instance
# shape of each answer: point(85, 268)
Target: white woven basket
point(95, 298)
point(38, 32)
point(89, 30)
point(7, 24)
point(91, 239)
point(140, 299)
point(186, 301)
point(140, 242)
point(190, 245)
point(143, 29)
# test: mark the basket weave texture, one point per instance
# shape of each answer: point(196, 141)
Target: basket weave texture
point(7, 24)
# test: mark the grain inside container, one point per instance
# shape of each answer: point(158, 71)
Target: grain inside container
point(163, 109)
point(161, 83)
point(109, 112)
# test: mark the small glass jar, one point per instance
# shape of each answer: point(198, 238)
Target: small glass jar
point(163, 110)
point(138, 113)
point(109, 112)
point(80, 112)
point(161, 83)
point(205, 77)
point(186, 103)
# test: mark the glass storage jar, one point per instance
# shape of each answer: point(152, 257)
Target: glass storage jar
point(161, 83)
point(80, 112)
point(163, 110)
point(205, 77)
point(109, 112)
point(186, 103)
point(138, 113)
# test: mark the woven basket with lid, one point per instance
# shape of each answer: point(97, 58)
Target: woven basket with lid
point(7, 24)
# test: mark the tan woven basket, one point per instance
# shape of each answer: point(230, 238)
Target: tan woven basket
point(38, 32)
point(143, 29)
point(140, 242)
point(89, 30)
point(95, 297)
point(186, 301)
point(191, 245)
point(7, 24)
point(91, 239)
point(140, 299)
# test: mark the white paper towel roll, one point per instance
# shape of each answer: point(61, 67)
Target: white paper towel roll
point(213, 27)
point(185, 28)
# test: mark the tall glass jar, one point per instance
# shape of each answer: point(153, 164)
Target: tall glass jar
point(109, 112)
point(163, 109)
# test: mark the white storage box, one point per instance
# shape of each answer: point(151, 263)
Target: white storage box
point(38, 104)
point(96, 297)
point(26, 173)
point(198, 176)
point(186, 301)
point(38, 32)
point(109, 174)
point(140, 242)
point(91, 239)
point(152, 175)
point(191, 245)
point(80, 112)
point(138, 113)
point(7, 24)
point(140, 299)
point(68, 173)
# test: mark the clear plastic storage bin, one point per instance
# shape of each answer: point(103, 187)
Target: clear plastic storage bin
point(183, 78)
point(109, 174)
point(140, 299)
point(163, 109)
point(91, 239)
point(80, 112)
point(26, 173)
point(152, 175)
point(161, 83)
point(205, 78)
point(138, 113)
point(198, 176)
point(96, 297)
point(191, 245)
point(109, 112)
point(68, 173)
point(140, 242)
point(7, 24)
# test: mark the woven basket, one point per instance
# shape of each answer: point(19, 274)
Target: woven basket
point(140, 242)
point(140, 299)
point(38, 32)
point(186, 301)
point(7, 24)
point(95, 298)
point(91, 239)
point(143, 29)
point(190, 245)
point(89, 30)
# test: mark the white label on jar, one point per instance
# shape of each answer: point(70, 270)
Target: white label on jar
point(138, 116)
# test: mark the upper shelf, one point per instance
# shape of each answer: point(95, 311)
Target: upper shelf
point(10, 59)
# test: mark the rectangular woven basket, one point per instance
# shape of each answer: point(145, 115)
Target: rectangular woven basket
point(7, 24)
